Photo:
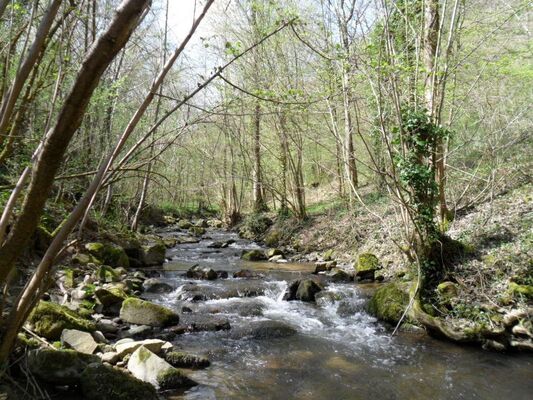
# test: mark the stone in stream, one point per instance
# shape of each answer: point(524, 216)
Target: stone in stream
point(108, 254)
point(184, 224)
point(111, 299)
point(246, 273)
point(204, 273)
point(185, 360)
point(339, 275)
point(263, 330)
point(148, 367)
point(102, 382)
point(137, 332)
point(366, 267)
point(154, 254)
point(254, 255)
point(63, 367)
point(194, 322)
point(155, 285)
point(194, 293)
point(79, 341)
point(304, 290)
point(141, 312)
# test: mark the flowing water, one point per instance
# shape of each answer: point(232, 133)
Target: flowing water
point(338, 352)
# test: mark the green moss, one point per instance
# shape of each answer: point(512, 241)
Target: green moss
point(521, 290)
point(49, 320)
point(272, 239)
point(107, 274)
point(28, 342)
point(389, 302)
point(101, 382)
point(447, 290)
point(367, 262)
point(110, 296)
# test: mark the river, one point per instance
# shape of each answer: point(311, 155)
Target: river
point(338, 351)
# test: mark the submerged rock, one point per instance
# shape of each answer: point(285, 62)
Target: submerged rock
point(263, 330)
point(141, 312)
point(49, 319)
point(246, 273)
point(63, 367)
point(101, 382)
point(204, 322)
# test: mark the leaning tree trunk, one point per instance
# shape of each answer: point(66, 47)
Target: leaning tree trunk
point(69, 119)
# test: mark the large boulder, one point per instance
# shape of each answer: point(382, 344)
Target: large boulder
point(184, 224)
point(388, 302)
point(254, 255)
point(339, 275)
point(49, 319)
point(154, 253)
point(101, 382)
point(141, 312)
point(79, 341)
point(263, 330)
point(366, 267)
point(63, 367)
point(148, 367)
point(109, 254)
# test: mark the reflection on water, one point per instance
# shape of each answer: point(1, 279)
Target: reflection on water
point(339, 352)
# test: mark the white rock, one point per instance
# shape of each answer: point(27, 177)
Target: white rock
point(111, 357)
point(146, 366)
point(79, 341)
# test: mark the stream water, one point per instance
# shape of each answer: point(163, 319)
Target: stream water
point(338, 352)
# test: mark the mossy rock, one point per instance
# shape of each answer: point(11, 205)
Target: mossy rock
point(141, 312)
point(521, 290)
point(101, 382)
point(274, 252)
point(28, 342)
point(63, 367)
point(388, 302)
point(107, 274)
point(154, 254)
point(49, 320)
point(172, 378)
point(197, 230)
point(366, 267)
point(109, 254)
point(184, 224)
point(110, 296)
point(253, 255)
point(68, 278)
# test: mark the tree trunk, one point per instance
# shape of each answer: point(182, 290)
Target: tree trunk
point(68, 121)
point(259, 201)
point(431, 37)
point(96, 61)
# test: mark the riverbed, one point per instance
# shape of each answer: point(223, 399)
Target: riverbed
point(339, 351)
